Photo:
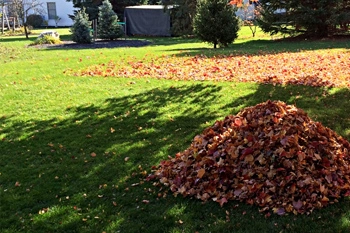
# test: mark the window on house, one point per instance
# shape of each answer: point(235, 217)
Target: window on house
point(51, 10)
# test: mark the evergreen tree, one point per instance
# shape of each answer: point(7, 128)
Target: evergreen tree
point(90, 6)
point(215, 22)
point(81, 28)
point(312, 18)
point(108, 27)
point(182, 16)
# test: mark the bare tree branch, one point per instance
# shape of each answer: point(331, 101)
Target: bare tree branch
point(22, 8)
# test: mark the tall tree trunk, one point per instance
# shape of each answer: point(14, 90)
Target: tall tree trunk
point(322, 30)
point(26, 31)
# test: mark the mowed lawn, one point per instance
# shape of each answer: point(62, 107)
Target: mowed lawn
point(80, 129)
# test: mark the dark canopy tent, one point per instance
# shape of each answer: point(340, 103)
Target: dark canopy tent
point(148, 20)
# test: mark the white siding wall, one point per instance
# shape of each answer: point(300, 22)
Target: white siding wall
point(63, 9)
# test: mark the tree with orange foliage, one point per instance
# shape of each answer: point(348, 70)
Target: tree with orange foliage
point(237, 3)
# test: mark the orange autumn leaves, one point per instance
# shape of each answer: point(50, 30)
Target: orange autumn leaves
point(239, 3)
point(271, 155)
point(312, 68)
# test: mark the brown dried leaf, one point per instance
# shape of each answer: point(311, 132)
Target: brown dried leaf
point(201, 173)
point(297, 204)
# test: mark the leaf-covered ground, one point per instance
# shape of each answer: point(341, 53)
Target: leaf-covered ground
point(271, 155)
point(329, 68)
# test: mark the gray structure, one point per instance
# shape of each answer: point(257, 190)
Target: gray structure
point(147, 20)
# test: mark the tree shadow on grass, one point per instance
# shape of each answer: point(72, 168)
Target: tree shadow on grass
point(56, 162)
point(86, 173)
point(169, 40)
point(329, 106)
point(265, 47)
point(16, 39)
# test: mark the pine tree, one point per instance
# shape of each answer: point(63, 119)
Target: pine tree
point(81, 28)
point(182, 16)
point(311, 18)
point(91, 7)
point(108, 27)
point(215, 22)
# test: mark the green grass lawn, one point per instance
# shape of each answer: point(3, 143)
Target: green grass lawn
point(75, 151)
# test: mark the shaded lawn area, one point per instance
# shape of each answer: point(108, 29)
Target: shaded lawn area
point(75, 151)
point(86, 173)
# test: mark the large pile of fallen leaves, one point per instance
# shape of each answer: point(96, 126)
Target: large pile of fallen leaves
point(271, 155)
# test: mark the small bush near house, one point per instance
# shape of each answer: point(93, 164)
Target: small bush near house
point(35, 20)
point(46, 40)
point(215, 22)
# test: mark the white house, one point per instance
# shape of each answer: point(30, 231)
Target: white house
point(247, 11)
point(56, 11)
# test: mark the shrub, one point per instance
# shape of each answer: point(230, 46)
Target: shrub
point(108, 27)
point(215, 22)
point(81, 28)
point(46, 40)
point(35, 20)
